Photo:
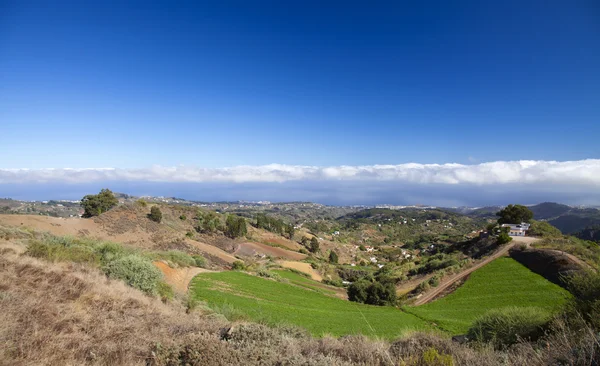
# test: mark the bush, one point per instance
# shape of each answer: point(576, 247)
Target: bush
point(199, 260)
point(175, 257)
point(238, 266)
point(333, 257)
point(182, 218)
point(503, 238)
point(357, 291)
point(543, 229)
point(136, 271)
point(235, 226)
point(54, 252)
point(373, 293)
point(155, 214)
point(314, 245)
point(504, 327)
point(585, 288)
point(165, 291)
point(95, 204)
point(141, 202)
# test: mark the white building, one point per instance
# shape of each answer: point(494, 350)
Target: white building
point(517, 229)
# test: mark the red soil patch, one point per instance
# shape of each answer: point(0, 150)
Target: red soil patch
point(251, 249)
point(179, 278)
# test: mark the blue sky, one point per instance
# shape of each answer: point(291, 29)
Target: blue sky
point(131, 85)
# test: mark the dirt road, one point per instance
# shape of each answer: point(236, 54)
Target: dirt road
point(446, 283)
point(302, 267)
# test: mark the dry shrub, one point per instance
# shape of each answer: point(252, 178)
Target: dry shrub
point(70, 314)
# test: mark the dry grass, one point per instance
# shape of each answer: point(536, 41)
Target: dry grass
point(69, 314)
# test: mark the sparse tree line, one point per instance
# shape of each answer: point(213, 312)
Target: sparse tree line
point(274, 225)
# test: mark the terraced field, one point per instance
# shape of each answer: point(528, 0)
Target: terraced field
point(502, 283)
point(275, 302)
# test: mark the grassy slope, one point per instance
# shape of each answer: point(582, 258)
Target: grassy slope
point(306, 282)
point(275, 302)
point(504, 282)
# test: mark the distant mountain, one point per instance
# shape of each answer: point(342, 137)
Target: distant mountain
point(590, 233)
point(569, 220)
point(549, 210)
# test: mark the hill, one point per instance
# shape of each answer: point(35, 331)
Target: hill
point(502, 283)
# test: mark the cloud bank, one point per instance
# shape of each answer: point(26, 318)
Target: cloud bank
point(528, 172)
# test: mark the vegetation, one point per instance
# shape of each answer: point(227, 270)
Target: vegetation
point(274, 225)
point(543, 229)
point(514, 214)
point(502, 283)
point(314, 245)
point(208, 222)
point(235, 226)
point(588, 251)
point(503, 238)
point(585, 288)
point(506, 326)
point(333, 257)
point(132, 266)
point(96, 204)
point(372, 293)
point(238, 266)
point(274, 302)
point(155, 214)
point(135, 271)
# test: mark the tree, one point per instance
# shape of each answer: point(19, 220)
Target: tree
point(235, 226)
point(503, 238)
point(314, 244)
point(289, 230)
point(155, 214)
point(304, 241)
point(514, 214)
point(333, 257)
point(96, 204)
point(357, 291)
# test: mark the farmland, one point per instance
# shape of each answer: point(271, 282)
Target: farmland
point(502, 283)
point(273, 302)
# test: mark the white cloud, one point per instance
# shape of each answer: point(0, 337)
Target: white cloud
point(582, 172)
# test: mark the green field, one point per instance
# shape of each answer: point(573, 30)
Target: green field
point(276, 302)
point(305, 282)
point(502, 283)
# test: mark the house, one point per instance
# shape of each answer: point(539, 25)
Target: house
point(517, 229)
point(369, 248)
point(373, 260)
point(380, 266)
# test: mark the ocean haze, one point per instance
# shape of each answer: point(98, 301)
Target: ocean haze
point(330, 193)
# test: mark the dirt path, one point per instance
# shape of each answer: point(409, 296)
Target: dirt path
point(179, 278)
point(575, 259)
point(446, 283)
point(251, 249)
point(302, 267)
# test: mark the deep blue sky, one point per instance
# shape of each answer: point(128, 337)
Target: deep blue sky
point(131, 84)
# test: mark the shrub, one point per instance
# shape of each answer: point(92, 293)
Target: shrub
point(155, 214)
point(314, 245)
point(543, 229)
point(136, 271)
point(357, 291)
point(585, 288)
point(55, 252)
point(199, 260)
point(95, 204)
point(189, 234)
point(182, 218)
point(141, 202)
point(503, 238)
point(165, 291)
point(238, 266)
point(235, 226)
point(504, 327)
point(333, 257)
